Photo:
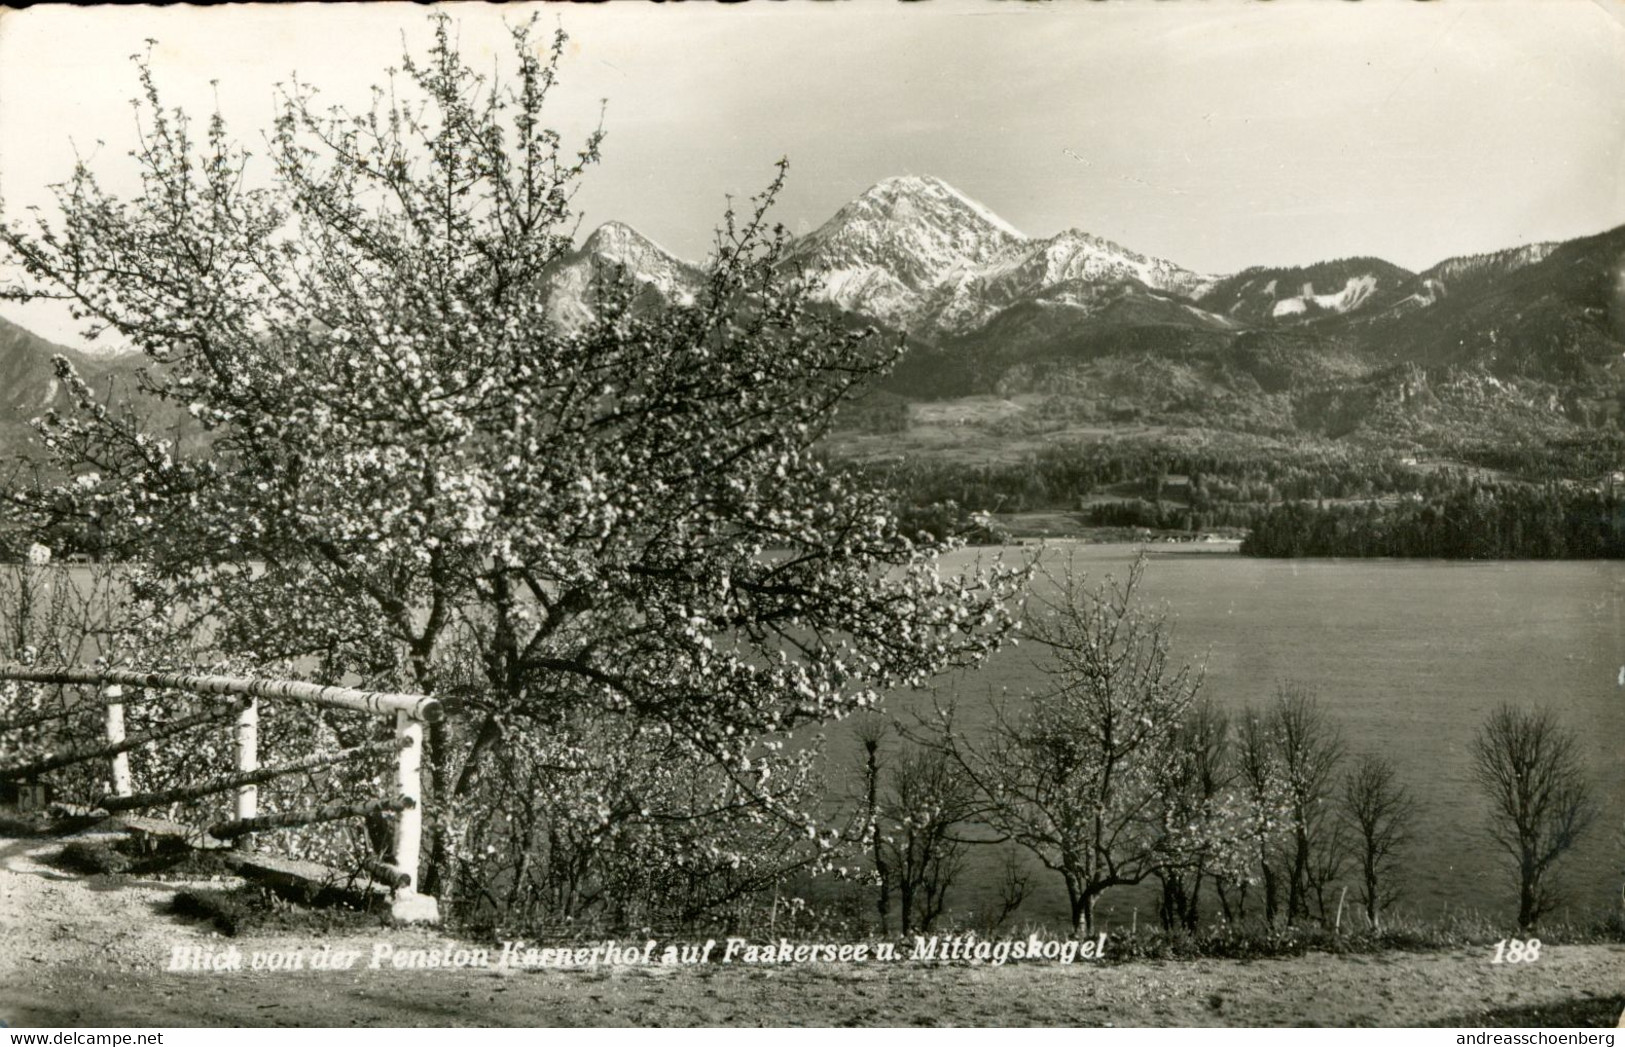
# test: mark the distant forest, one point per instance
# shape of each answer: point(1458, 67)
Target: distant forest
point(1488, 502)
point(1475, 522)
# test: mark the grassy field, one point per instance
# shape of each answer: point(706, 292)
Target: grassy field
point(979, 430)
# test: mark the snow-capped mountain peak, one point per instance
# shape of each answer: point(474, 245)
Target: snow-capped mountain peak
point(913, 198)
point(910, 251)
point(882, 252)
point(620, 244)
point(653, 270)
point(927, 186)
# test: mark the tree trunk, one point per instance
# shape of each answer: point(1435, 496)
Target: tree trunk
point(1193, 904)
point(883, 903)
point(1167, 908)
point(1272, 896)
point(437, 879)
point(1224, 900)
point(1373, 895)
point(1083, 911)
point(1528, 901)
point(1297, 903)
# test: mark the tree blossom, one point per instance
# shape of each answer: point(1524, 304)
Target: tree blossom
point(401, 451)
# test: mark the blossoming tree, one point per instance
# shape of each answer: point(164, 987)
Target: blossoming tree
point(403, 455)
point(1083, 774)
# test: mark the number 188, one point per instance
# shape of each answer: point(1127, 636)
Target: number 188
point(1514, 950)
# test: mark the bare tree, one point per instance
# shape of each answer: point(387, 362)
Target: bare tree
point(1014, 882)
point(913, 807)
point(928, 803)
point(1380, 814)
point(1197, 840)
point(871, 735)
point(1311, 751)
point(1257, 768)
point(1074, 773)
point(1530, 769)
point(1287, 757)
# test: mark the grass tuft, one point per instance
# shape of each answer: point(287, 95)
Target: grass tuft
point(92, 857)
point(250, 908)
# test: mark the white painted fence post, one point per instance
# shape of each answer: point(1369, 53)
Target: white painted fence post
point(409, 905)
point(248, 757)
point(115, 733)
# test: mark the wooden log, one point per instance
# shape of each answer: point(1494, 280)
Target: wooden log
point(294, 819)
point(68, 757)
point(308, 881)
point(417, 706)
point(409, 783)
point(184, 793)
point(163, 828)
point(247, 758)
point(115, 735)
point(408, 906)
point(75, 811)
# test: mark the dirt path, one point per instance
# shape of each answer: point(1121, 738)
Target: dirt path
point(52, 918)
point(77, 951)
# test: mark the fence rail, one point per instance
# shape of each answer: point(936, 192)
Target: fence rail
point(116, 746)
point(115, 802)
point(410, 711)
point(417, 706)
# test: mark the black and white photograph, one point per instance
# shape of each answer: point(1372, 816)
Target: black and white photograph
point(826, 513)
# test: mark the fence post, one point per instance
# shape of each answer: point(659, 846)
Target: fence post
point(115, 734)
point(409, 905)
point(248, 757)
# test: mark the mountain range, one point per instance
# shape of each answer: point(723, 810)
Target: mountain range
point(990, 310)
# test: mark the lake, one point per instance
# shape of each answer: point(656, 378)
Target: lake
point(1409, 656)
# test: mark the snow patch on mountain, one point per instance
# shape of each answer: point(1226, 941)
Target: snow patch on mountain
point(1506, 261)
point(1456, 274)
point(1357, 290)
point(1427, 292)
point(981, 210)
point(1212, 318)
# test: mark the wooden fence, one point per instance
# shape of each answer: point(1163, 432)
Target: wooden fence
point(411, 712)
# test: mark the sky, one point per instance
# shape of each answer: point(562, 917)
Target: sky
point(1216, 133)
